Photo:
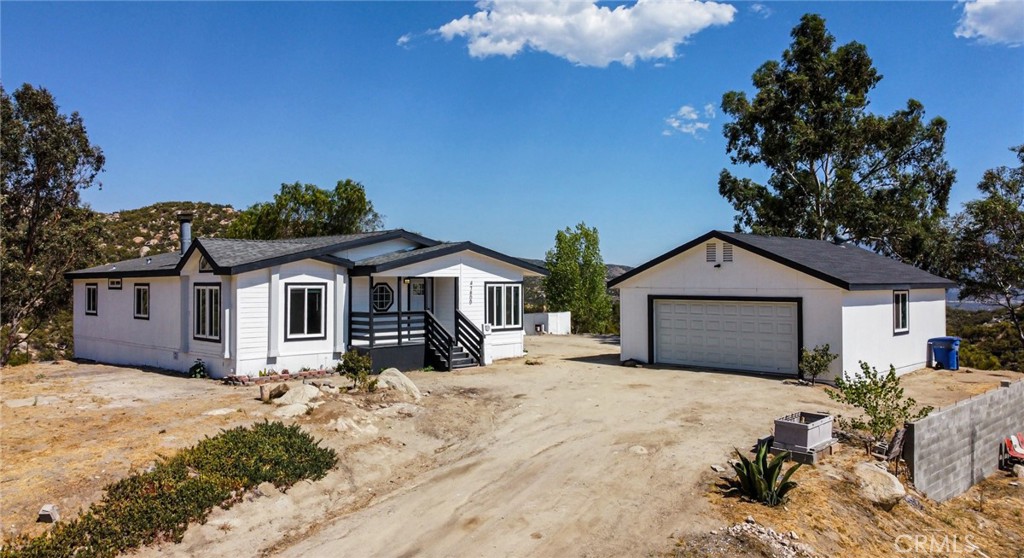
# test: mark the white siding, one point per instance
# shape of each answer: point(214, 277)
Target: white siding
point(253, 303)
point(868, 329)
point(748, 275)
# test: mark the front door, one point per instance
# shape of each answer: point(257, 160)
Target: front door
point(417, 294)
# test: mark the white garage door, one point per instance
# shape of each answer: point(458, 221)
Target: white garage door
point(732, 335)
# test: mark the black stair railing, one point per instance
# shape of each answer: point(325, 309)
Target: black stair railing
point(469, 337)
point(439, 340)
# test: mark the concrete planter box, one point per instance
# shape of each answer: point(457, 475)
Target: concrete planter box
point(803, 432)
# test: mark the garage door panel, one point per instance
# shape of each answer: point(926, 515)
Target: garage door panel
point(743, 335)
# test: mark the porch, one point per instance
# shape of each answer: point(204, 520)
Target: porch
point(412, 322)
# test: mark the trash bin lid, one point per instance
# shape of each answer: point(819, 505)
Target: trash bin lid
point(944, 340)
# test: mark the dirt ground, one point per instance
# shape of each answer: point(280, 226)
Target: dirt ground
point(569, 455)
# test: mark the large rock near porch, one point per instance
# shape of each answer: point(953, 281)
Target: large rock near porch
point(300, 394)
point(393, 379)
point(878, 486)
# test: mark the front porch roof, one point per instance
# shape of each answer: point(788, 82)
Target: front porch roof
point(393, 260)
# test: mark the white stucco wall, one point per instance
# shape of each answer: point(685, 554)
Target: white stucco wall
point(748, 275)
point(868, 329)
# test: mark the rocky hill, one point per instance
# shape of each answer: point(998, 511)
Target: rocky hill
point(153, 229)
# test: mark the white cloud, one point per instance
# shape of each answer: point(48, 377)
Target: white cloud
point(688, 120)
point(993, 22)
point(761, 10)
point(404, 40)
point(583, 32)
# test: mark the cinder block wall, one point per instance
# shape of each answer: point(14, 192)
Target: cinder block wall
point(953, 448)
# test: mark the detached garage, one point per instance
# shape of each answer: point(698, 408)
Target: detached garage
point(744, 302)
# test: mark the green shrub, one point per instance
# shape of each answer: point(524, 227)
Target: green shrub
point(158, 506)
point(815, 362)
point(198, 369)
point(976, 357)
point(762, 480)
point(357, 367)
point(18, 358)
point(880, 398)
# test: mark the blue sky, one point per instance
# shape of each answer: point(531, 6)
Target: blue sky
point(480, 128)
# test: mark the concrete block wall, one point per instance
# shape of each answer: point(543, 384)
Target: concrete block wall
point(953, 448)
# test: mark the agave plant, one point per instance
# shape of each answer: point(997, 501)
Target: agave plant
point(763, 480)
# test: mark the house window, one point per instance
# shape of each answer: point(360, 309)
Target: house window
point(900, 311)
point(114, 284)
point(142, 301)
point(382, 297)
point(711, 252)
point(726, 252)
point(505, 305)
point(207, 312)
point(91, 298)
point(306, 316)
point(204, 265)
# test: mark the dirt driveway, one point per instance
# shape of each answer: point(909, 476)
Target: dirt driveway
point(569, 455)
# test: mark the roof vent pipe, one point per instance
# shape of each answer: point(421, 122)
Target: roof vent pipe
point(185, 234)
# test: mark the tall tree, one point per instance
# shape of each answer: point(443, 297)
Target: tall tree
point(990, 242)
point(302, 210)
point(837, 172)
point(47, 159)
point(576, 282)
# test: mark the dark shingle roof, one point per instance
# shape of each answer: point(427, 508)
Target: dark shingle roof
point(400, 258)
point(847, 266)
point(230, 256)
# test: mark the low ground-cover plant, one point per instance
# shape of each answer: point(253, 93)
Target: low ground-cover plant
point(815, 362)
point(761, 479)
point(157, 506)
point(357, 367)
point(880, 397)
point(198, 369)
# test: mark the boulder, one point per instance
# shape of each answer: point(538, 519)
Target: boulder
point(878, 486)
point(301, 394)
point(393, 379)
point(293, 410)
point(1018, 471)
point(278, 390)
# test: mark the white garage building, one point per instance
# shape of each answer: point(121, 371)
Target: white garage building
point(745, 302)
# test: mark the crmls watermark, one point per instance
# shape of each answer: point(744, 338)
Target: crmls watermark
point(930, 544)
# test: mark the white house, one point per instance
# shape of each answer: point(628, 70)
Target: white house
point(246, 305)
point(746, 302)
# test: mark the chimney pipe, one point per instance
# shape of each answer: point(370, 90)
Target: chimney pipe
point(185, 233)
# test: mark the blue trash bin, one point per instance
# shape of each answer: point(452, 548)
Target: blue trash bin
point(946, 352)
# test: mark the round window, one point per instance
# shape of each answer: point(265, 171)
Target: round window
point(383, 297)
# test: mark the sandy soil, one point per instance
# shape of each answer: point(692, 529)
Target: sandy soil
point(569, 455)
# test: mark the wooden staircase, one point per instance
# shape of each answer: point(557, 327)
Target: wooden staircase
point(449, 352)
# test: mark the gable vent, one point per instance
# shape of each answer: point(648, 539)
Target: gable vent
point(711, 252)
point(726, 252)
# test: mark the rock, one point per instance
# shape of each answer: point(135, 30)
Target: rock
point(878, 486)
point(533, 362)
point(632, 363)
point(350, 426)
point(1018, 471)
point(293, 410)
point(718, 468)
point(330, 390)
point(278, 390)
point(1015, 484)
point(750, 520)
point(267, 489)
point(138, 240)
point(639, 450)
point(301, 394)
point(394, 379)
point(218, 412)
point(794, 536)
point(48, 514)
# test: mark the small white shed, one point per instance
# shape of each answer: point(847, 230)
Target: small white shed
point(746, 302)
point(548, 323)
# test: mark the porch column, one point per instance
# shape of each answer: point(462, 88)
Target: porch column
point(369, 297)
point(398, 287)
point(186, 315)
point(274, 321)
point(340, 328)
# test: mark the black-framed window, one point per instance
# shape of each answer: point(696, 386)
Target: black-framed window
point(900, 312)
point(505, 305)
point(204, 265)
point(306, 311)
point(206, 317)
point(382, 297)
point(141, 301)
point(114, 284)
point(92, 292)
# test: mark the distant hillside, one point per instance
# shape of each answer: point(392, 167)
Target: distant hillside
point(153, 229)
point(533, 295)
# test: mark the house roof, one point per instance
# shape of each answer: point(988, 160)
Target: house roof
point(392, 260)
point(845, 265)
point(230, 256)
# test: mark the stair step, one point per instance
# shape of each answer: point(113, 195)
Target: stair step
point(463, 362)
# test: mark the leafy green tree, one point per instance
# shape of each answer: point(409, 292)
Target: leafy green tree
point(990, 242)
point(303, 210)
point(47, 159)
point(815, 362)
point(576, 282)
point(837, 172)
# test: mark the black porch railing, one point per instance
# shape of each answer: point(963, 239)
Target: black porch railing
point(390, 328)
point(469, 337)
